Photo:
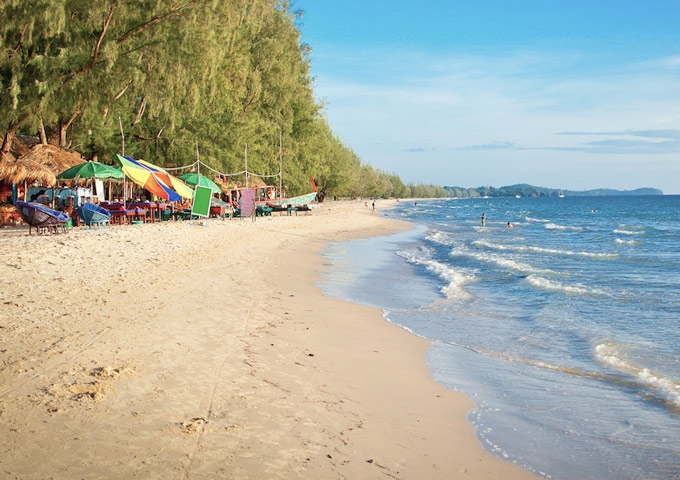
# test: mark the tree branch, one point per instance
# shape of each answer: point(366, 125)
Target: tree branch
point(140, 112)
point(19, 43)
point(95, 51)
point(143, 26)
point(64, 127)
point(122, 92)
point(11, 130)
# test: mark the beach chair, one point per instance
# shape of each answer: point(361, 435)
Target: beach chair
point(93, 214)
point(41, 217)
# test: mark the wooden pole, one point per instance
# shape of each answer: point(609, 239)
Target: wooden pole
point(122, 134)
point(246, 161)
point(280, 166)
point(198, 164)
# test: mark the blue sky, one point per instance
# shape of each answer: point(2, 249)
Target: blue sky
point(567, 94)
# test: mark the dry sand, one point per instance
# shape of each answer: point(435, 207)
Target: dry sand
point(177, 351)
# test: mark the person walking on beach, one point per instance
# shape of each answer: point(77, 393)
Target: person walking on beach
point(373, 205)
point(483, 219)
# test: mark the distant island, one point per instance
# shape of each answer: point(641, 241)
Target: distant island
point(524, 190)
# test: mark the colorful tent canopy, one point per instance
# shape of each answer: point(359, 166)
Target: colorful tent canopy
point(198, 179)
point(147, 179)
point(91, 170)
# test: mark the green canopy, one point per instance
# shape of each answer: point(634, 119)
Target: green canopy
point(91, 170)
point(197, 179)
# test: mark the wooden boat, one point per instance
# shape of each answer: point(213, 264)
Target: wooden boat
point(300, 200)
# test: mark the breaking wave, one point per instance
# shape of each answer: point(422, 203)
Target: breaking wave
point(499, 260)
point(554, 286)
point(555, 226)
point(537, 220)
point(630, 230)
point(661, 389)
point(455, 279)
point(626, 242)
point(550, 251)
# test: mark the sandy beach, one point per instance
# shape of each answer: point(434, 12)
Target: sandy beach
point(176, 351)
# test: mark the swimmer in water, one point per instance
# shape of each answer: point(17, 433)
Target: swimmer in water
point(510, 225)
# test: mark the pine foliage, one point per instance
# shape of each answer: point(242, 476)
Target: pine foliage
point(223, 73)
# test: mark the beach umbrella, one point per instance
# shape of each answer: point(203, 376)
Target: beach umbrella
point(91, 170)
point(178, 185)
point(158, 174)
point(198, 179)
point(147, 179)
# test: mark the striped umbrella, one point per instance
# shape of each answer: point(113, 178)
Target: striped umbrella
point(148, 179)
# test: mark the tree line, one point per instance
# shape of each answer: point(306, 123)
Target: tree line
point(168, 73)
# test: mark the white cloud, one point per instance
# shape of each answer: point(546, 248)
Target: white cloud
point(466, 116)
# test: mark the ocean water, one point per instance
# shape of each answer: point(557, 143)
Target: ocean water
point(565, 329)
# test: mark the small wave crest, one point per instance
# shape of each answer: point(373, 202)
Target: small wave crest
point(621, 241)
point(536, 220)
point(630, 230)
point(555, 226)
point(455, 279)
point(612, 355)
point(554, 286)
point(550, 251)
point(499, 260)
point(663, 389)
point(440, 238)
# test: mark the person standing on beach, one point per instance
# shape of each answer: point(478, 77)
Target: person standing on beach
point(483, 219)
point(373, 205)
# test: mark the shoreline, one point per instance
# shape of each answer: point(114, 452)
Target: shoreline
point(261, 376)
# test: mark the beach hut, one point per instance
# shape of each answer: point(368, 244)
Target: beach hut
point(53, 159)
point(24, 170)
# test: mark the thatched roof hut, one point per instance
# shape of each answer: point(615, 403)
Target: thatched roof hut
point(53, 158)
point(22, 144)
point(24, 170)
point(255, 182)
point(226, 186)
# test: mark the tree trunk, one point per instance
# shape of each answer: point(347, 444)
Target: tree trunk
point(63, 127)
point(43, 136)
